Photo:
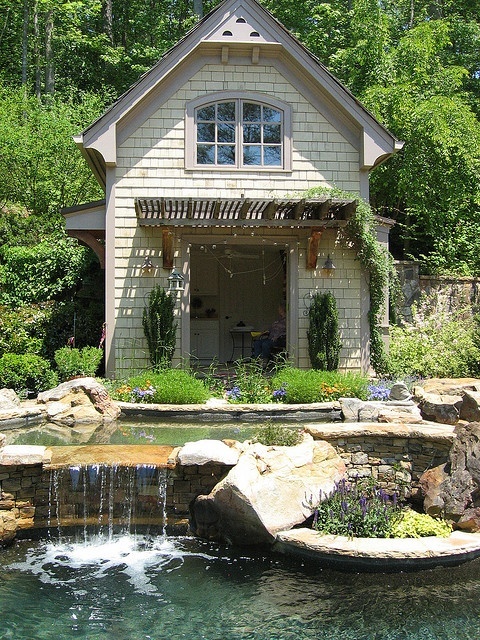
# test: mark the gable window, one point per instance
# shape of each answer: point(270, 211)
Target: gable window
point(238, 133)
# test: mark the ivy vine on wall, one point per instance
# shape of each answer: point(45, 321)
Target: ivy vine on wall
point(359, 234)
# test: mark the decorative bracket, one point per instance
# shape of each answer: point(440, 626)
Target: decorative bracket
point(167, 248)
point(312, 248)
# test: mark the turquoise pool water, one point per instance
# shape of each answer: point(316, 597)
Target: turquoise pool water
point(137, 587)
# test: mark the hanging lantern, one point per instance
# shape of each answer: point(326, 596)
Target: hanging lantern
point(176, 282)
point(328, 268)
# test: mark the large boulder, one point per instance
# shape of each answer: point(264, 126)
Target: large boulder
point(449, 386)
point(470, 409)
point(11, 409)
point(455, 490)
point(207, 451)
point(438, 407)
point(269, 490)
point(77, 401)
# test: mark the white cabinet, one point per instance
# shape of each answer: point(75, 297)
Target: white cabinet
point(204, 277)
point(204, 342)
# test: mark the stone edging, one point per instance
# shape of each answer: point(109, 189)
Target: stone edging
point(380, 554)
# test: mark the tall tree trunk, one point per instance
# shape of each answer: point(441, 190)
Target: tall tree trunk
point(36, 52)
point(49, 64)
point(108, 19)
point(26, 18)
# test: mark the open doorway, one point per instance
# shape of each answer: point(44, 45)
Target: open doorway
point(235, 289)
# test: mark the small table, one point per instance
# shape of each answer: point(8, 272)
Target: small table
point(240, 331)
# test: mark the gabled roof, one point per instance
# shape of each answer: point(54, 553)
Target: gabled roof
point(240, 27)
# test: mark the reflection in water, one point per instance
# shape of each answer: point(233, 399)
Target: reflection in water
point(131, 432)
point(177, 587)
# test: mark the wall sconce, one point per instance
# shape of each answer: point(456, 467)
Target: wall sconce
point(328, 268)
point(147, 266)
point(176, 282)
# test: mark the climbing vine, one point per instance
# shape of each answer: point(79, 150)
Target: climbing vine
point(359, 234)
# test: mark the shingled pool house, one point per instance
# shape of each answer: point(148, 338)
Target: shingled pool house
point(205, 162)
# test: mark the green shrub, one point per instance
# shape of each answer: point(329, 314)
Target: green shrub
point(436, 344)
point(78, 362)
point(26, 373)
point(303, 386)
point(46, 271)
point(168, 386)
point(359, 510)
point(277, 435)
point(323, 336)
point(159, 327)
point(411, 524)
point(21, 329)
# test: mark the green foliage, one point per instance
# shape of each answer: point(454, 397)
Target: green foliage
point(21, 330)
point(26, 373)
point(40, 167)
point(249, 385)
point(411, 524)
point(323, 336)
point(45, 327)
point(159, 327)
point(78, 362)
point(305, 386)
point(359, 510)
point(43, 272)
point(437, 343)
point(432, 187)
point(167, 386)
point(277, 435)
point(360, 234)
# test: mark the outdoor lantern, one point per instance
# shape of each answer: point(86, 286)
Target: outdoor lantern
point(328, 268)
point(147, 265)
point(176, 282)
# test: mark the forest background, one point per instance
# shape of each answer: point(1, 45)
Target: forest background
point(415, 64)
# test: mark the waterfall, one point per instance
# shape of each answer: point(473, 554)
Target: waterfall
point(106, 500)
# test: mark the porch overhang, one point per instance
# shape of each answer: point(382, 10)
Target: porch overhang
point(319, 213)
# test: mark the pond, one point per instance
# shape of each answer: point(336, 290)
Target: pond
point(134, 587)
point(153, 431)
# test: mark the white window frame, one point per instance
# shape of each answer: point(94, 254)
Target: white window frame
point(239, 97)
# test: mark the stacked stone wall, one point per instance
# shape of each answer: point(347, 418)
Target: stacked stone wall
point(390, 461)
point(185, 483)
point(19, 485)
point(449, 294)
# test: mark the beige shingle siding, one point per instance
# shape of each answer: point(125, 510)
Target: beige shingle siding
point(150, 163)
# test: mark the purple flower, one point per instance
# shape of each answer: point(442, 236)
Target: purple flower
point(378, 392)
point(234, 393)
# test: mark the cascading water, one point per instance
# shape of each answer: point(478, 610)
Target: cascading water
point(101, 500)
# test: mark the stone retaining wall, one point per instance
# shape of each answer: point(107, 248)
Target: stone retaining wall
point(185, 483)
point(451, 293)
point(20, 488)
point(390, 454)
point(391, 461)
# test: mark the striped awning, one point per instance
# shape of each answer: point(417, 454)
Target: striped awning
point(227, 212)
